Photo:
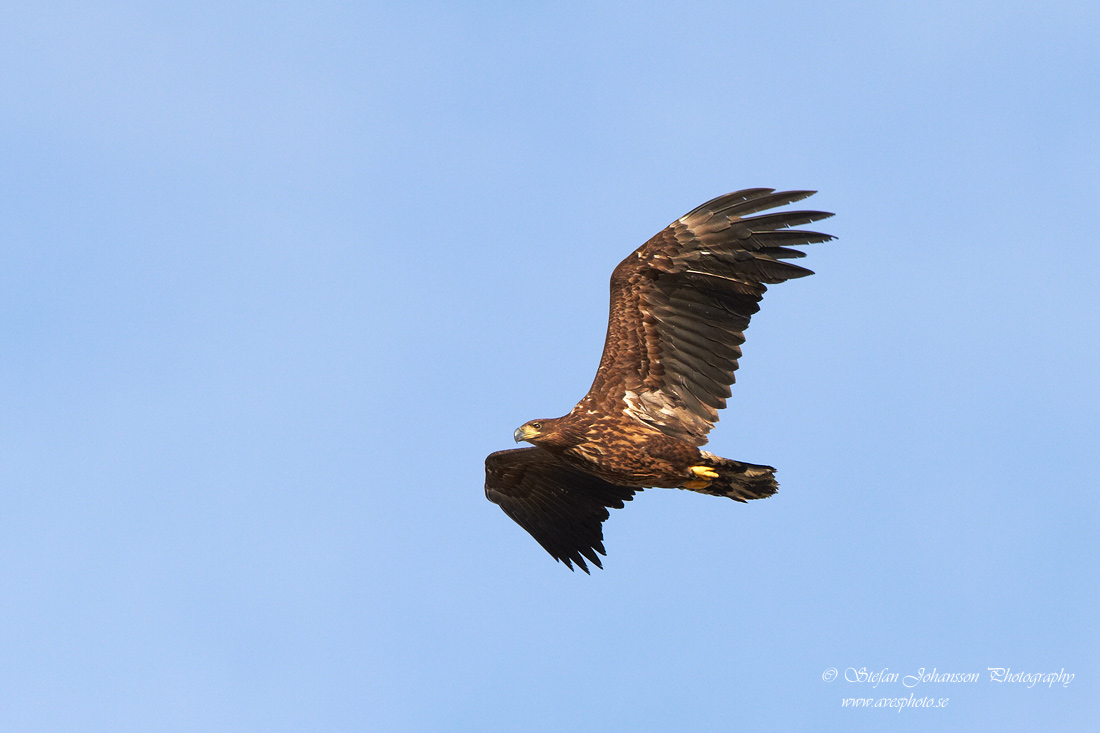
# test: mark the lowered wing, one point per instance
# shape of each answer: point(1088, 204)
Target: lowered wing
point(562, 507)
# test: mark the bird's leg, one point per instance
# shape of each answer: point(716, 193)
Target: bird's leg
point(703, 476)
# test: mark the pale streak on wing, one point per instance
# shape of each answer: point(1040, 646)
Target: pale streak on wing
point(680, 304)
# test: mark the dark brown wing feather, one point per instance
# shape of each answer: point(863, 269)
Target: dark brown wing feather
point(680, 304)
point(562, 507)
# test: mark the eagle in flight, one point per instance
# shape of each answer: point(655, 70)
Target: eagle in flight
point(679, 306)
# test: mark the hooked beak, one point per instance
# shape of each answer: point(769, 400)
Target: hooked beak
point(524, 432)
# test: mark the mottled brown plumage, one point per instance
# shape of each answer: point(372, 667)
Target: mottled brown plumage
point(679, 306)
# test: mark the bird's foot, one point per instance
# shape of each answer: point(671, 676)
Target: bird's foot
point(703, 476)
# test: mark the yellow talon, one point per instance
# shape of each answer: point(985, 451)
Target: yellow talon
point(696, 484)
point(704, 472)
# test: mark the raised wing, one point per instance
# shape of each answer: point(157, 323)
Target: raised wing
point(562, 507)
point(681, 302)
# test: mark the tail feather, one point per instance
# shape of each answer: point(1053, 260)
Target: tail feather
point(739, 481)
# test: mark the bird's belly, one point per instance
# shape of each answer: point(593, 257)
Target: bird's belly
point(660, 461)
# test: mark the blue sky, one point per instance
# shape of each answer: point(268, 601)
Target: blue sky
point(274, 280)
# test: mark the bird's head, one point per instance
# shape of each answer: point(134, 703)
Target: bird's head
point(543, 432)
point(529, 431)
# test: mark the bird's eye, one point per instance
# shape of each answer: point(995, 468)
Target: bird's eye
point(536, 425)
